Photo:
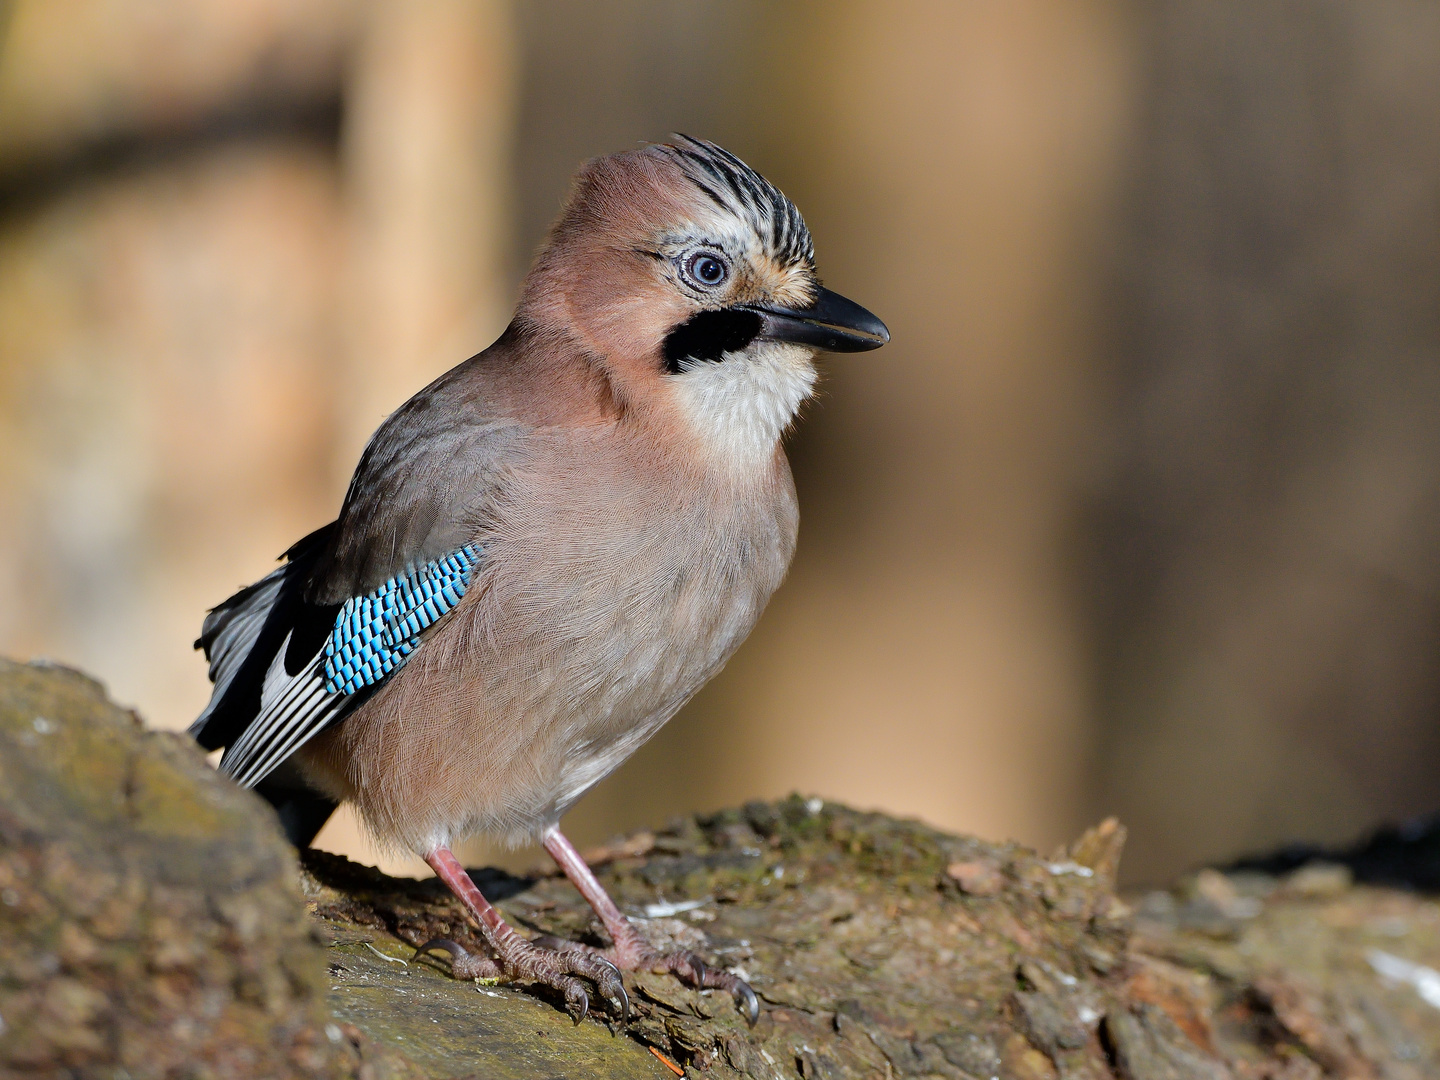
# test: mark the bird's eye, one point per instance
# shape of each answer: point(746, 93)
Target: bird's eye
point(707, 269)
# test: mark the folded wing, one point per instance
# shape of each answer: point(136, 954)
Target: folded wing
point(307, 644)
point(370, 638)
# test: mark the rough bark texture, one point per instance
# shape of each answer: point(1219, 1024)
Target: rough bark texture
point(150, 925)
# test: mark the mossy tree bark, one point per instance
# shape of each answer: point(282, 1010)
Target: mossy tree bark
point(151, 926)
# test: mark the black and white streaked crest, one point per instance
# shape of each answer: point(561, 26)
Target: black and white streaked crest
point(736, 187)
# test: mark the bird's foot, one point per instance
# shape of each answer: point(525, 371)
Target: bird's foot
point(693, 971)
point(532, 962)
point(631, 951)
point(635, 954)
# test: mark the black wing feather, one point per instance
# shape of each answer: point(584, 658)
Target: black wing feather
point(236, 700)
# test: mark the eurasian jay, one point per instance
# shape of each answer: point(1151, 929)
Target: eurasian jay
point(544, 553)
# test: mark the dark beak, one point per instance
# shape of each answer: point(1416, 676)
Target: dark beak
point(831, 323)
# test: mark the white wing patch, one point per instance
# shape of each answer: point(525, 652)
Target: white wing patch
point(293, 708)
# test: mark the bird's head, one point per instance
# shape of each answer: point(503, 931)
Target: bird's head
point(691, 279)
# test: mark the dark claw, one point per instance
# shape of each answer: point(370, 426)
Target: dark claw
point(699, 966)
point(746, 1002)
point(619, 989)
point(577, 1002)
point(624, 1003)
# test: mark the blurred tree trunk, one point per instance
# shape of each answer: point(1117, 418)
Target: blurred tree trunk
point(1272, 533)
point(429, 117)
point(958, 165)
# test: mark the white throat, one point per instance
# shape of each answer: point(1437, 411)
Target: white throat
point(741, 405)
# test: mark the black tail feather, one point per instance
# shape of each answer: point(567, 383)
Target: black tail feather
point(302, 812)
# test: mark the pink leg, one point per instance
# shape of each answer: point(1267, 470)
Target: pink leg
point(631, 951)
point(518, 957)
point(448, 869)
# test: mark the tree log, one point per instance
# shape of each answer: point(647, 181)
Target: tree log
point(154, 924)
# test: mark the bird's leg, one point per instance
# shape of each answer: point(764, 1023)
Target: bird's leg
point(631, 951)
point(519, 958)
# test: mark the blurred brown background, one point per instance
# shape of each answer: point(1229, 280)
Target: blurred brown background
point(1138, 513)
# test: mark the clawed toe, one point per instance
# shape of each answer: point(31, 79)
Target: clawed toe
point(605, 976)
point(692, 970)
point(746, 1001)
point(577, 1002)
point(687, 967)
point(536, 962)
point(558, 969)
point(594, 965)
point(614, 987)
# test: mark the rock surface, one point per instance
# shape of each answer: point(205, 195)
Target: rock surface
point(151, 925)
point(150, 920)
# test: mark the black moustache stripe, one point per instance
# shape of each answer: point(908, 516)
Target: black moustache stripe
point(707, 336)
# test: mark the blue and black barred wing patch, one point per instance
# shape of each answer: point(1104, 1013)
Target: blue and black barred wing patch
point(376, 632)
point(372, 637)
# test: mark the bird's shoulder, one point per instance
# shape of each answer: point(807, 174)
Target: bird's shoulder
point(431, 476)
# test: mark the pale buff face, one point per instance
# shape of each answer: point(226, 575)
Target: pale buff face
point(754, 274)
point(740, 402)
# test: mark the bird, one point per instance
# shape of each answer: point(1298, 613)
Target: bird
point(548, 550)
